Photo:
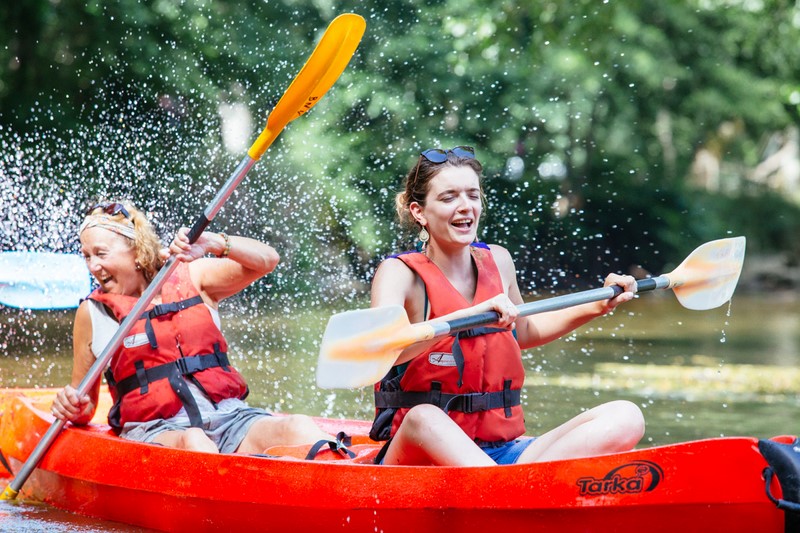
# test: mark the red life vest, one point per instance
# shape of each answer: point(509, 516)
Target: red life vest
point(476, 379)
point(173, 339)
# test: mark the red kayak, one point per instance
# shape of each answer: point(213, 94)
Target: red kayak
point(723, 484)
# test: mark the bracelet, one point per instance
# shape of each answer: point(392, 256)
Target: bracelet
point(227, 249)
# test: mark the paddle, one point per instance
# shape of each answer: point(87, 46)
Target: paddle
point(322, 69)
point(43, 280)
point(359, 347)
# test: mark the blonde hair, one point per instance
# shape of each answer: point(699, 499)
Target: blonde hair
point(145, 242)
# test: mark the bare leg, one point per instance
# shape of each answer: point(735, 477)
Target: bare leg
point(281, 430)
point(189, 439)
point(608, 428)
point(427, 436)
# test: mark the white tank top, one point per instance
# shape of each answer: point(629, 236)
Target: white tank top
point(104, 325)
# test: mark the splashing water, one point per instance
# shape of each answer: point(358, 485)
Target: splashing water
point(170, 161)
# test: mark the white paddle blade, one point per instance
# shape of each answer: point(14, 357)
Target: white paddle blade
point(707, 278)
point(358, 347)
point(43, 280)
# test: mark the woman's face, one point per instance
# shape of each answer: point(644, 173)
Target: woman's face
point(452, 206)
point(112, 261)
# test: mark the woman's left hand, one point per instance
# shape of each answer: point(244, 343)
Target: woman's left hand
point(628, 284)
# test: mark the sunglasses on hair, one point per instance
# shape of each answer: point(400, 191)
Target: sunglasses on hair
point(438, 155)
point(110, 208)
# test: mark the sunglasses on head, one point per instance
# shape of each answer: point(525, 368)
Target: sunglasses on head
point(110, 208)
point(438, 155)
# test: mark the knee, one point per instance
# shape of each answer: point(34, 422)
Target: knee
point(423, 418)
point(196, 440)
point(628, 422)
point(298, 427)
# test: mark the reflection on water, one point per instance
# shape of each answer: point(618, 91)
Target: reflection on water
point(729, 371)
point(26, 517)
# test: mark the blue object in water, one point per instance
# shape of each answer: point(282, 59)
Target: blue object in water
point(43, 280)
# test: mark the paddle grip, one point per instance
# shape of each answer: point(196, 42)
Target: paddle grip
point(198, 228)
point(643, 285)
point(467, 322)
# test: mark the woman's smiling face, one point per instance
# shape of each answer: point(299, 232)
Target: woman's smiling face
point(111, 259)
point(453, 206)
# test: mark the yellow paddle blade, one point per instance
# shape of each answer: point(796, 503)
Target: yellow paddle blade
point(359, 347)
point(322, 69)
point(708, 276)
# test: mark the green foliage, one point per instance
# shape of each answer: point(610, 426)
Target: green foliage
point(598, 107)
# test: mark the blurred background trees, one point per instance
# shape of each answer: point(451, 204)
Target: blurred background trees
point(613, 134)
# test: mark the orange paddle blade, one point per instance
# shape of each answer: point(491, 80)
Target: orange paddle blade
point(707, 278)
point(360, 346)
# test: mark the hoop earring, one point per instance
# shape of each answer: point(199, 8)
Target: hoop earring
point(422, 239)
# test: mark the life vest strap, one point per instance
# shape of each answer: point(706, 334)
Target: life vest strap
point(465, 403)
point(165, 309)
point(458, 354)
point(184, 366)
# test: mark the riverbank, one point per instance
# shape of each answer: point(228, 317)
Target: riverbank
point(770, 273)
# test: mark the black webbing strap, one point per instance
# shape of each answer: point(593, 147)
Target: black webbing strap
point(181, 389)
point(458, 354)
point(465, 403)
point(339, 446)
point(182, 366)
point(165, 309)
point(173, 372)
point(5, 463)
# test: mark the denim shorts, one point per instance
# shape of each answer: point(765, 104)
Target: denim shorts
point(508, 453)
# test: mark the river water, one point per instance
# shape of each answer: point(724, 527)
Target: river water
point(729, 371)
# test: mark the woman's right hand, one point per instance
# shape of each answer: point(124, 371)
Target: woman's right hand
point(502, 305)
point(71, 407)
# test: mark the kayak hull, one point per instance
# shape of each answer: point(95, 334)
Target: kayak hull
point(691, 486)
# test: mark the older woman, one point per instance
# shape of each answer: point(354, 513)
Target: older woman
point(457, 401)
point(171, 380)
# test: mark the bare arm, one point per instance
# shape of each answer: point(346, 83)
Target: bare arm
point(67, 405)
point(539, 329)
point(218, 278)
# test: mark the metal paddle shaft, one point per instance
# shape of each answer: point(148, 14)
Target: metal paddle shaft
point(704, 280)
point(550, 304)
point(321, 70)
point(359, 347)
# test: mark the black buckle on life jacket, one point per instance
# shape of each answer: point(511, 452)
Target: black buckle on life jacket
point(185, 366)
point(468, 403)
point(189, 365)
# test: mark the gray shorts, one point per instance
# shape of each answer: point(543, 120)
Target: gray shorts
point(227, 429)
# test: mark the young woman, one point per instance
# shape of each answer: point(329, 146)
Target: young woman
point(457, 401)
point(171, 380)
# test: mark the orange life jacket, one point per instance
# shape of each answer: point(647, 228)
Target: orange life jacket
point(476, 378)
point(173, 339)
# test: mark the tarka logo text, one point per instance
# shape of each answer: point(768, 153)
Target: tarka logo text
point(630, 478)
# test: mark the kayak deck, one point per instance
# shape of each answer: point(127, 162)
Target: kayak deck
point(693, 486)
